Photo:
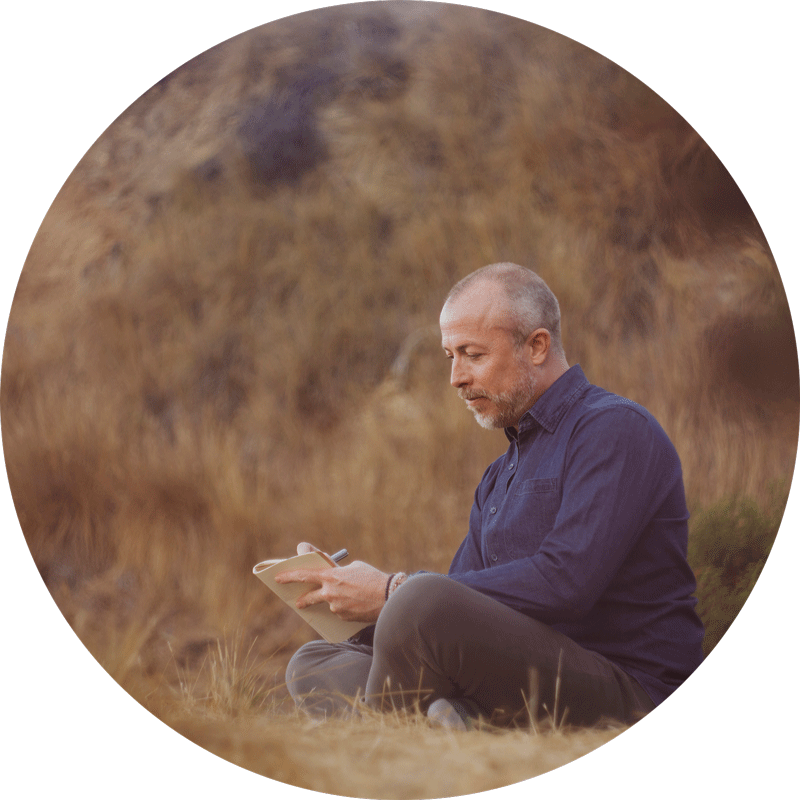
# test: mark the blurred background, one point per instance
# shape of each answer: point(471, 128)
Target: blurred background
point(224, 337)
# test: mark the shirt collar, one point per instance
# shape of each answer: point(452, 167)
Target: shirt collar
point(550, 408)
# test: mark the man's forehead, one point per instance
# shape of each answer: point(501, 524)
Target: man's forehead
point(478, 306)
point(478, 330)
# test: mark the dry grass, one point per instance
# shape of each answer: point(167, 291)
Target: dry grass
point(442, 763)
point(203, 367)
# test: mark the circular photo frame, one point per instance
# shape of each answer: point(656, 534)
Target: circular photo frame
point(224, 341)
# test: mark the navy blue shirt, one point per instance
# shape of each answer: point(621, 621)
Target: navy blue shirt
point(582, 525)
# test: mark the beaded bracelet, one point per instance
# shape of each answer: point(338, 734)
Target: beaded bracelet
point(393, 582)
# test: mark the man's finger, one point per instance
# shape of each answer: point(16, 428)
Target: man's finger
point(301, 576)
point(309, 599)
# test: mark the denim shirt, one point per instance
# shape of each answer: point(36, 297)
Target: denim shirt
point(582, 525)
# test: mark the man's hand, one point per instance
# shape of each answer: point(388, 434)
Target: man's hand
point(305, 547)
point(355, 593)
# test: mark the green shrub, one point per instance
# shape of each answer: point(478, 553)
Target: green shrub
point(728, 547)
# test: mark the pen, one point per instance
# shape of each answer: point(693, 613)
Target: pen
point(337, 557)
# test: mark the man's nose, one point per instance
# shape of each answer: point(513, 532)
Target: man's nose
point(458, 375)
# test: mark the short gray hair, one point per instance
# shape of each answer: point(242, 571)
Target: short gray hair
point(532, 304)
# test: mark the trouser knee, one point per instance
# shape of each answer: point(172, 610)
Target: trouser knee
point(300, 677)
point(324, 678)
point(413, 612)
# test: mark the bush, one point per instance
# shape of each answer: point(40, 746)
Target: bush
point(280, 140)
point(728, 547)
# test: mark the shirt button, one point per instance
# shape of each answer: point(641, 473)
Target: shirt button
point(511, 466)
point(494, 558)
point(493, 510)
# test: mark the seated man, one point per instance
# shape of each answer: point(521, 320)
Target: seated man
point(571, 593)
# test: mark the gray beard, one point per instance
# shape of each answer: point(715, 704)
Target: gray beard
point(508, 406)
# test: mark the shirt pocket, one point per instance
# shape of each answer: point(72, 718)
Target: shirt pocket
point(535, 507)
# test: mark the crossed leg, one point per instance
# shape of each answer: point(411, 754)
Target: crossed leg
point(436, 638)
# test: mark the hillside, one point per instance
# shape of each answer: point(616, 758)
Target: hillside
point(223, 340)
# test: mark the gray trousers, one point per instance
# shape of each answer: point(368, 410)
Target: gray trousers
point(436, 638)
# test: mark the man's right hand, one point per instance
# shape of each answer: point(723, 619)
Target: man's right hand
point(354, 593)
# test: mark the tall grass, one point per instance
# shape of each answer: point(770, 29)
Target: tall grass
point(204, 365)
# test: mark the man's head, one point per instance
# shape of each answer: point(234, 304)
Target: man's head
point(501, 327)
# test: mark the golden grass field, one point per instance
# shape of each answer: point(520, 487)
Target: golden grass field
point(219, 347)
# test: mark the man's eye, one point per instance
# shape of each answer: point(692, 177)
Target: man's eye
point(474, 356)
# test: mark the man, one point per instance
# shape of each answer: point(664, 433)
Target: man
point(571, 593)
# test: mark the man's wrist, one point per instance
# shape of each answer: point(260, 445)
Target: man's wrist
point(395, 579)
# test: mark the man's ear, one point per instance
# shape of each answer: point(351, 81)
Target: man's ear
point(538, 345)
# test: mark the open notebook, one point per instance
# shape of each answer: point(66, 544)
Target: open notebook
point(319, 616)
